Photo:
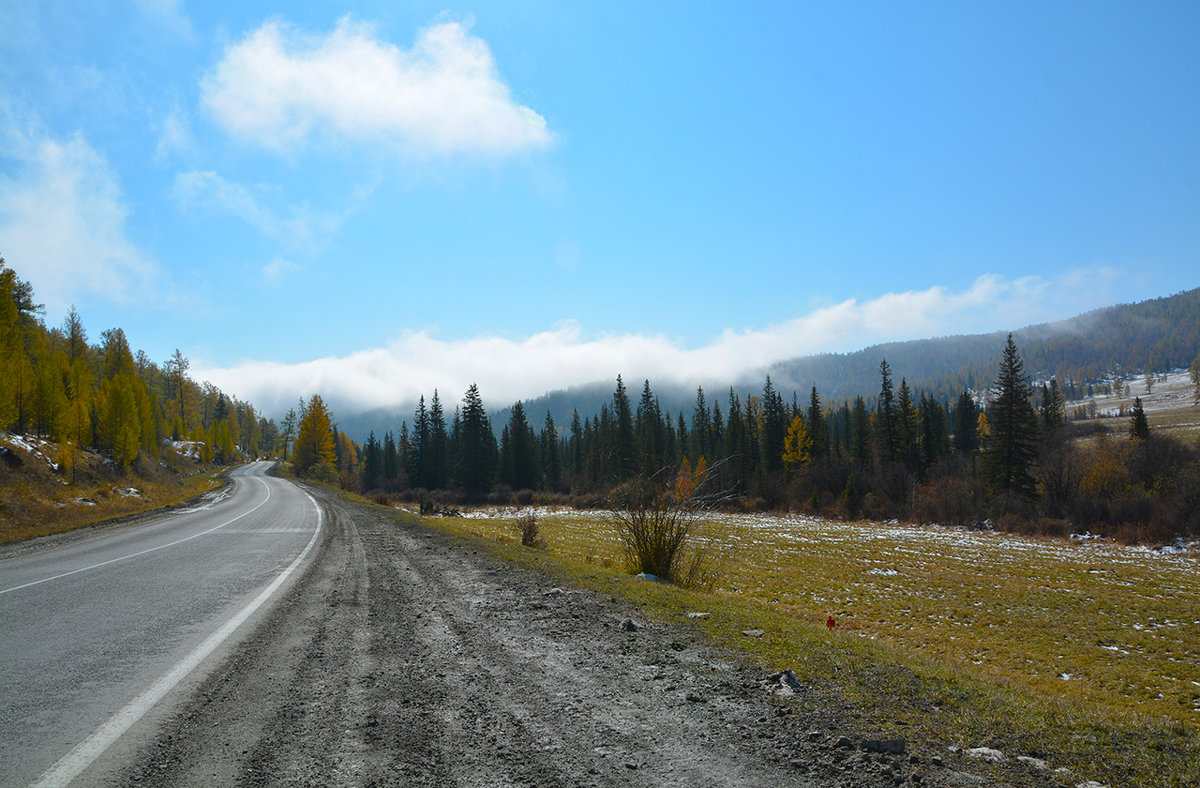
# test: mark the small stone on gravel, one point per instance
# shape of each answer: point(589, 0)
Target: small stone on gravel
point(890, 746)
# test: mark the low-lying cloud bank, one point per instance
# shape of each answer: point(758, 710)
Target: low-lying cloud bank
point(507, 370)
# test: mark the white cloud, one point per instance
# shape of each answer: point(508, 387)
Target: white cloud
point(62, 223)
point(301, 228)
point(277, 87)
point(507, 370)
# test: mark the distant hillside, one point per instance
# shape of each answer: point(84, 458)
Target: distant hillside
point(1159, 334)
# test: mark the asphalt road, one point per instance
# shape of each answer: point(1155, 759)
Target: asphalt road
point(96, 632)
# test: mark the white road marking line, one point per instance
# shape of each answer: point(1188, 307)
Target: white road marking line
point(142, 552)
point(87, 751)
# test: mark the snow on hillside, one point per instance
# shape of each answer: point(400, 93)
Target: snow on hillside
point(36, 448)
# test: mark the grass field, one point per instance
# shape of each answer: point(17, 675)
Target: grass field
point(1081, 652)
point(1169, 404)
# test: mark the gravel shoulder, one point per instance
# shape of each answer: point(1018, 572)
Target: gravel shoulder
point(407, 656)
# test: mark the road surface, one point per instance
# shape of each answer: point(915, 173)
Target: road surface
point(96, 631)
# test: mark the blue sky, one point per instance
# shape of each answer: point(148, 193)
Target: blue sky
point(373, 199)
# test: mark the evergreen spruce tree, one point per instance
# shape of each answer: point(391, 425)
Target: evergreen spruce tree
point(934, 441)
point(439, 468)
point(701, 429)
point(404, 454)
point(372, 468)
point(593, 456)
point(454, 448)
point(734, 472)
point(966, 424)
point(390, 468)
point(1010, 448)
point(477, 445)
point(520, 461)
point(772, 428)
point(420, 452)
point(625, 442)
point(885, 416)
point(648, 426)
point(576, 450)
point(860, 433)
point(751, 418)
point(1139, 427)
point(549, 455)
point(818, 432)
point(907, 447)
point(1051, 411)
point(716, 426)
point(681, 437)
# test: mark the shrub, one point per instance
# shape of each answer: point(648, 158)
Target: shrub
point(656, 522)
point(324, 472)
point(527, 526)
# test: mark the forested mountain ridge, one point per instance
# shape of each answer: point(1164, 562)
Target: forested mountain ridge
point(1159, 334)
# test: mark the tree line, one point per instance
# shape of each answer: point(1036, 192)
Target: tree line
point(1007, 455)
point(105, 398)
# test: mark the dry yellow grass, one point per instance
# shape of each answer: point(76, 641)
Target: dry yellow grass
point(35, 500)
point(1062, 648)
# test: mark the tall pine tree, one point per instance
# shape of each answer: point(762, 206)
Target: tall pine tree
point(1010, 448)
point(477, 445)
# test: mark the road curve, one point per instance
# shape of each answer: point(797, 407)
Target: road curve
point(96, 631)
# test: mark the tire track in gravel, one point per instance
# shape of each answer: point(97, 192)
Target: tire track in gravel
point(404, 656)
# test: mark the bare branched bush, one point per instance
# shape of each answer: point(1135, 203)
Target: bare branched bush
point(527, 526)
point(658, 523)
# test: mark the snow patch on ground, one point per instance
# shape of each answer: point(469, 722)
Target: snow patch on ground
point(190, 449)
point(36, 447)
